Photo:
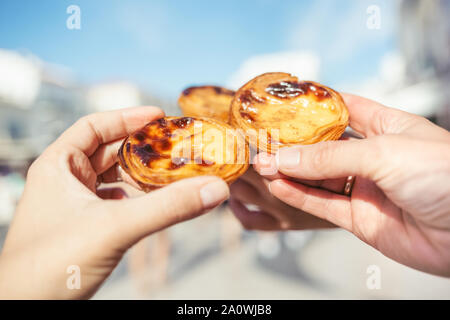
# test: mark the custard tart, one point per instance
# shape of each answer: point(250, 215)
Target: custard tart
point(277, 110)
point(174, 148)
point(206, 101)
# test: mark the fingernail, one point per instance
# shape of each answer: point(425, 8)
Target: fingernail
point(289, 158)
point(266, 164)
point(264, 159)
point(214, 193)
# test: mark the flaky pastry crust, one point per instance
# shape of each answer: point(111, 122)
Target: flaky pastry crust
point(276, 110)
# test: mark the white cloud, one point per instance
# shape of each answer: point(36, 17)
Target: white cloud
point(20, 78)
point(305, 65)
point(113, 95)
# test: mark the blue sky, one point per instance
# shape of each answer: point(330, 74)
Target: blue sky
point(166, 45)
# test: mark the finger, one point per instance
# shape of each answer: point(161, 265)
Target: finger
point(320, 203)
point(287, 217)
point(335, 159)
point(371, 118)
point(116, 174)
point(138, 217)
point(111, 175)
point(253, 220)
point(333, 185)
point(261, 160)
point(259, 183)
point(93, 130)
point(246, 193)
point(112, 193)
point(105, 156)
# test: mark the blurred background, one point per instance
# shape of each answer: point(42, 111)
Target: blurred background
point(62, 59)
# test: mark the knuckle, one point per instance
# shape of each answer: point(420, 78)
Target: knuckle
point(393, 121)
point(88, 122)
point(286, 225)
point(45, 162)
point(33, 168)
point(383, 120)
point(381, 156)
point(84, 120)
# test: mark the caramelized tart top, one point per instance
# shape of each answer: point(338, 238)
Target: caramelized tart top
point(206, 101)
point(277, 109)
point(173, 148)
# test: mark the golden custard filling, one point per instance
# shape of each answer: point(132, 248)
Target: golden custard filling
point(271, 111)
point(206, 101)
point(289, 111)
point(174, 148)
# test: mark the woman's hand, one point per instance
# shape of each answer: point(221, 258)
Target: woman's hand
point(62, 219)
point(400, 202)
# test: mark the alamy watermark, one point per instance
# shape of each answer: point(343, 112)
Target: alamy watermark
point(373, 21)
point(73, 22)
point(211, 146)
point(373, 281)
point(73, 282)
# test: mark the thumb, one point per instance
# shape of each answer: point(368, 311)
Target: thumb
point(183, 200)
point(332, 159)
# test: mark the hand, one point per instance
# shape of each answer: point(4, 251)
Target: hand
point(63, 220)
point(400, 202)
point(272, 214)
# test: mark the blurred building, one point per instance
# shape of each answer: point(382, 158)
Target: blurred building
point(424, 38)
point(415, 76)
point(38, 101)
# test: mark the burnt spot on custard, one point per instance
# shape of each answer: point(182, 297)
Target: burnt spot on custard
point(162, 144)
point(188, 91)
point(248, 97)
point(140, 136)
point(286, 89)
point(217, 90)
point(162, 123)
point(318, 91)
point(292, 89)
point(178, 163)
point(182, 122)
point(146, 153)
point(166, 132)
